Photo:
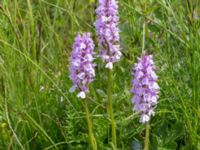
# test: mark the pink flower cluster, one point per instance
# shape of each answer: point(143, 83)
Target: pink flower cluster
point(108, 32)
point(82, 67)
point(145, 87)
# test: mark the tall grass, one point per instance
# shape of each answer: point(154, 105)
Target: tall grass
point(36, 110)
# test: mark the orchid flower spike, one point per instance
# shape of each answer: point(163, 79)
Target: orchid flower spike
point(82, 67)
point(108, 32)
point(145, 87)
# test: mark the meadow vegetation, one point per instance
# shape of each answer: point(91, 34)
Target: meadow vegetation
point(38, 112)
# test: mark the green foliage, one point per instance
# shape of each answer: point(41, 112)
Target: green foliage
point(38, 112)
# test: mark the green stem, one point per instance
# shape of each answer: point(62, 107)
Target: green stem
point(110, 110)
point(92, 139)
point(143, 37)
point(146, 143)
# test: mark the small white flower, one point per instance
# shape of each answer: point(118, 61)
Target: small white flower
point(151, 112)
point(81, 95)
point(89, 57)
point(109, 65)
point(81, 75)
point(144, 118)
point(106, 19)
point(82, 46)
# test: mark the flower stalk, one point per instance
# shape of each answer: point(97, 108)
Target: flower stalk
point(92, 139)
point(107, 30)
point(146, 143)
point(110, 109)
point(82, 73)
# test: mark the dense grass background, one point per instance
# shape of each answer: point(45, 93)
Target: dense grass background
point(36, 109)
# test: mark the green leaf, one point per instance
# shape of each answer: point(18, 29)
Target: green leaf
point(153, 142)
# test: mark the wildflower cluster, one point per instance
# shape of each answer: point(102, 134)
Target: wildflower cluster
point(108, 32)
point(82, 66)
point(145, 87)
